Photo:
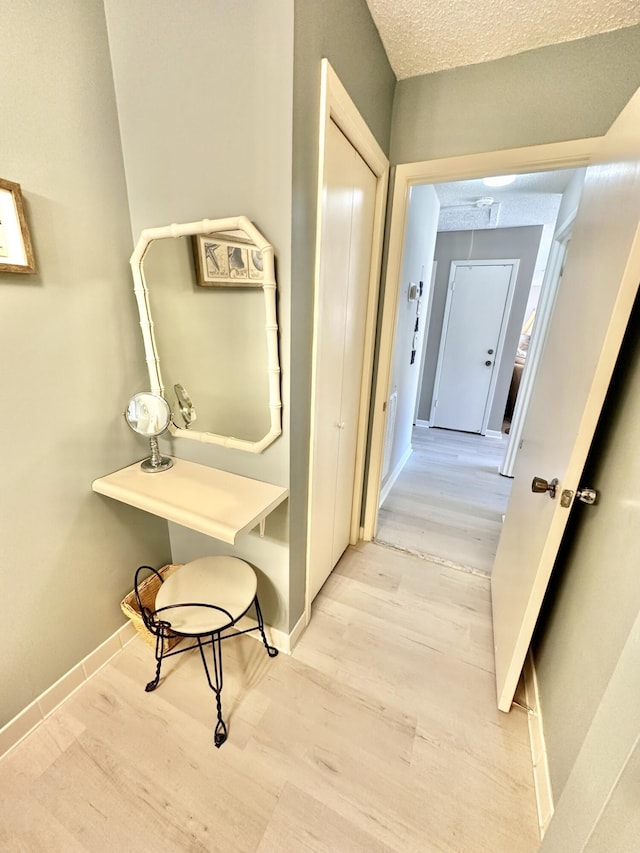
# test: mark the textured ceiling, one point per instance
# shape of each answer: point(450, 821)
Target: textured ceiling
point(531, 200)
point(422, 36)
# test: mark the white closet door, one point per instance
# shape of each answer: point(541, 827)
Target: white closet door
point(347, 233)
point(362, 216)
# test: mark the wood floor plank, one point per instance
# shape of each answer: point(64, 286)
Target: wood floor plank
point(379, 733)
point(449, 499)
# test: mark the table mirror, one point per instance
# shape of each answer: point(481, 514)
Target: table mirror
point(149, 415)
point(206, 295)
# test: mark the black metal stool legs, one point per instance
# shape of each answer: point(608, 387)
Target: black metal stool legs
point(159, 654)
point(220, 732)
point(271, 650)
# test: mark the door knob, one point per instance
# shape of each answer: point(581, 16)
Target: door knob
point(587, 496)
point(539, 485)
point(488, 363)
point(490, 351)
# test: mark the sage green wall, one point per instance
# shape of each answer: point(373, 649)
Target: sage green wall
point(596, 596)
point(69, 350)
point(562, 92)
point(343, 32)
point(522, 243)
point(204, 93)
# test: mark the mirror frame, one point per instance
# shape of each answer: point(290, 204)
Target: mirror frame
point(190, 229)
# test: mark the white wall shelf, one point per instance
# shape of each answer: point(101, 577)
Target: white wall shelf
point(216, 503)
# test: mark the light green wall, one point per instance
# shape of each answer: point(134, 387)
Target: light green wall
point(562, 92)
point(522, 243)
point(596, 596)
point(70, 353)
point(341, 31)
point(204, 93)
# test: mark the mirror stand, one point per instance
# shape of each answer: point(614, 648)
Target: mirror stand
point(156, 462)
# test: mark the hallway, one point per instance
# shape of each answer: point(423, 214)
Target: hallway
point(449, 499)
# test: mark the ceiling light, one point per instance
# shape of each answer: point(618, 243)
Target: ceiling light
point(499, 180)
point(487, 201)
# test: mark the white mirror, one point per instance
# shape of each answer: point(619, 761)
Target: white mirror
point(206, 294)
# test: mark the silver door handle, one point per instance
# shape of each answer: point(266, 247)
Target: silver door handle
point(587, 496)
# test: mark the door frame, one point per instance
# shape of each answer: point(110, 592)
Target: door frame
point(514, 263)
point(336, 105)
point(537, 158)
point(553, 273)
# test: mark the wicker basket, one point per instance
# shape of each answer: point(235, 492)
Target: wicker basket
point(148, 590)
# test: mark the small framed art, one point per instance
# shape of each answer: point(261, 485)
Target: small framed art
point(16, 252)
point(227, 262)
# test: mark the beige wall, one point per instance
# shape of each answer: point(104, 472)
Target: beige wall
point(69, 350)
point(566, 91)
point(204, 93)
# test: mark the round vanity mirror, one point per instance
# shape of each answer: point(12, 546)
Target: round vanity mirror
point(149, 415)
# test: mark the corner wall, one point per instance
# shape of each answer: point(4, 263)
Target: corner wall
point(204, 93)
point(70, 352)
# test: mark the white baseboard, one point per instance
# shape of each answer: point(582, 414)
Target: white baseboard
point(27, 720)
point(423, 423)
point(283, 642)
point(393, 476)
point(541, 778)
point(41, 708)
point(494, 433)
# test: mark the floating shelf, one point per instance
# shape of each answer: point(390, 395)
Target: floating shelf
point(213, 502)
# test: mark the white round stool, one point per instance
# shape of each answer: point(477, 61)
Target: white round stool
point(203, 600)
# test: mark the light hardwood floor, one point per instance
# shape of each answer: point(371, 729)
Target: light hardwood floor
point(449, 499)
point(379, 733)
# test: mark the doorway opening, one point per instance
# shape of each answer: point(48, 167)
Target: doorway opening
point(478, 334)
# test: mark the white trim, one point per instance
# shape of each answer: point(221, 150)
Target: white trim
point(560, 155)
point(425, 338)
point(44, 705)
point(283, 642)
point(514, 263)
point(423, 423)
point(539, 758)
point(493, 433)
point(544, 311)
point(337, 106)
point(393, 476)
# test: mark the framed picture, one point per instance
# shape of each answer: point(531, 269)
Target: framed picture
point(227, 262)
point(16, 253)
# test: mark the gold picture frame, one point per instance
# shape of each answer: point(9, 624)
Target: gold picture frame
point(16, 251)
point(225, 261)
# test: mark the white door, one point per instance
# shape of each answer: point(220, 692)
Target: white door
point(599, 285)
point(349, 193)
point(475, 319)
